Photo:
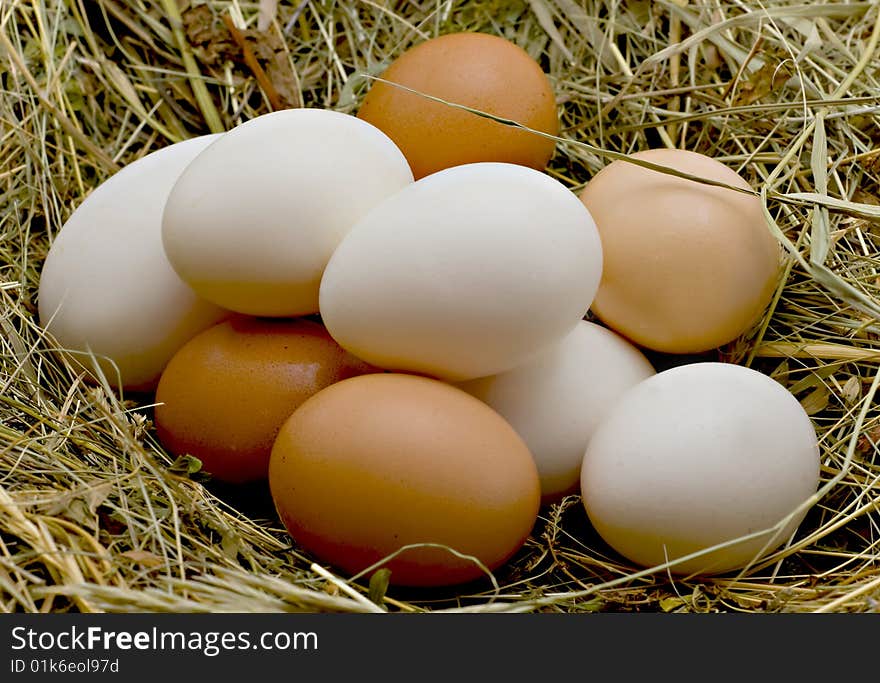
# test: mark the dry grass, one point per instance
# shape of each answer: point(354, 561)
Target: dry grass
point(95, 517)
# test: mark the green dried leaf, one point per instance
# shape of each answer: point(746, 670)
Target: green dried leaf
point(671, 603)
point(816, 401)
point(379, 582)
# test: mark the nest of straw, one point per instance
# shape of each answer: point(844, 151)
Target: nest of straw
point(94, 515)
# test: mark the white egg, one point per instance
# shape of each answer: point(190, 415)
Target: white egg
point(697, 456)
point(251, 223)
point(556, 399)
point(106, 287)
point(464, 273)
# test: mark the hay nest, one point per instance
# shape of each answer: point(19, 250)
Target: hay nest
point(94, 516)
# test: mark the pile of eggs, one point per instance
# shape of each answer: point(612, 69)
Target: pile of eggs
point(385, 317)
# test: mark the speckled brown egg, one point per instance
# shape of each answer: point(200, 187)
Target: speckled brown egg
point(477, 70)
point(225, 393)
point(375, 463)
point(687, 267)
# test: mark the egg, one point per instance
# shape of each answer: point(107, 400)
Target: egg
point(251, 222)
point(226, 392)
point(376, 463)
point(106, 287)
point(464, 273)
point(696, 456)
point(556, 399)
point(688, 267)
point(478, 70)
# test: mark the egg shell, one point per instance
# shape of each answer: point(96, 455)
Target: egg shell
point(478, 70)
point(226, 393)
point(464, 273)
point(687, 267)
point(106, 286)
point(556, 400)
point(252, 221)
point(699, 455)
point(375, 463)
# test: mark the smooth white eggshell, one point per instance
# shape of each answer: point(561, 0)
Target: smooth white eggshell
point(464, 273)
point(106, 286)
point(251, 223)
point(556, 399)
point(699, 455)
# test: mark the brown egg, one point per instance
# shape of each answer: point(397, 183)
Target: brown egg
point(225, 393)
point(478, 70)
point(374, 463)
point(687, 267)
